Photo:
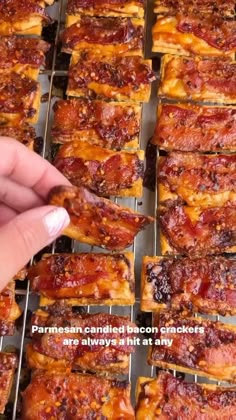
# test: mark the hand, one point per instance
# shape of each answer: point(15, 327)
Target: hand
point(26, 223)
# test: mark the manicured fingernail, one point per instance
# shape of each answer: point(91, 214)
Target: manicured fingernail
point(56, 220)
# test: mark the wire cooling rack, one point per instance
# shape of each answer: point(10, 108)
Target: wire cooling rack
point(146, 243)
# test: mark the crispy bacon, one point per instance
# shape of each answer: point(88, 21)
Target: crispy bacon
point(216, 31)
point(18, 94)
point(198, 232)
point(115, 77)
point(169, 397)
point(199, 346)
point(111, 125)
point(15, 12)
point(25, 51)
point(101, 170)
point(62, 395)
point(48, 350)
point(224, 8)
point(106, 7)
point(25, 134)
point(9, 310)
point(85, 278)
point(195, 128)
point(8, 364)
point(207, 79)
point(197, 180)
point(205, 285)
point(96, 220)
point(105, 34)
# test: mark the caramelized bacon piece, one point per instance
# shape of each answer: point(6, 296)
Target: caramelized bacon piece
point(225, 8)
point(197, 232)
point(193, 128)
point(95, 350)
point(19, 94)
point(105, 8)
point(76, 396)
point(25, 18)
point(22, 52)
point(105, 124)
point(206, 35)
point(205, 285)
point(197, 180)
point(96, 220)
point(204, 79)
point(101, 170)
point(84, 279)
point(105, 35)
point(8, 364)
point(169, 397)
point(9, 310)
point(119, 78)
point(199, 346)
point(25, 134)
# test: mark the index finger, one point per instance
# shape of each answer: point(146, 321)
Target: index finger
point(27, 168)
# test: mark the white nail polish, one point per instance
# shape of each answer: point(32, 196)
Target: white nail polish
point(56, 220)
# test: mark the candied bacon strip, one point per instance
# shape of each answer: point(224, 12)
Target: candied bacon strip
point(24, 134)
point(197, 180)
point(194, 231)
point(9, 310)
point(195, 128)
point(225, 8)
point(106, 7)
point(199, 346)
point(12, 11)
point(205, 285)
point(104, 77)
point(8, 364)
point(205, 79)
point(76, 396)
point(96, 220)
point(170, 397)
point(15, 50)
point(48, 350)
point(87, 278)
point(106, 124)
point(101, 170)
point(18, 94)
point(104, 34)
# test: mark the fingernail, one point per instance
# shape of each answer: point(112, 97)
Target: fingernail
point(56, 220)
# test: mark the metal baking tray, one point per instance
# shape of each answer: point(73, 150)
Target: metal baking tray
point(146, 243)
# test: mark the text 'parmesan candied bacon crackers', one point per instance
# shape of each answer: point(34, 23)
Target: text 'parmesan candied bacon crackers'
point(9, 310)
point(103, 171)
point(194, 231)
point(190, 128)
point(48, 350)
point(168, 397)
point(22, 18)
point(197, 180)
point(132, 8)
point(96, 220)
point(19, 95)
point(205, 285)
point(188, 34)
point(119, 78)
point(225, 8)
point(22, 55)
point(84, 279)
point(79, 396)
point(198, 78)
point(8, 364)
point(114, 125)
point(200, 346)
point(105, 36)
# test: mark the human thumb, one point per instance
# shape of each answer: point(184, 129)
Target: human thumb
point(27, 234)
